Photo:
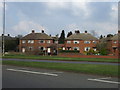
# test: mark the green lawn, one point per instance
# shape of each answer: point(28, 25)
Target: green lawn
point(22, 56)
point(106, 70)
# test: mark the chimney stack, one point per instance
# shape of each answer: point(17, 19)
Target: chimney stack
point(85, 31)
point(8, 34)
point(77, 31)
point(33, 31)
point(119, 31)
point(42, 31)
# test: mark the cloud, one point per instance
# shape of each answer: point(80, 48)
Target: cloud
point(114, 12)
point(76, 8)
point(25, 27)
point(1, 31)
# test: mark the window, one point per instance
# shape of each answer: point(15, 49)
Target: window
point(76, 42)
point(68, 41)
point(42, 48)
point(94, 48)
point(23, 41)
point(48, 41)
point(41, 41)
point(30, 48)
point(56, 41)
point(87, 42)
point(114, 41)
point(87, 48)
point(75, 48)
point(68, 48)
point(94, 41)
point(30, 41)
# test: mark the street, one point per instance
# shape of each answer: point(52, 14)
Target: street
point(58, 61)
point(27, 77)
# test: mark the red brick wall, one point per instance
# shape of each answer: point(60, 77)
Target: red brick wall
point(81, 45)
point(85, 56)
point(35, 45)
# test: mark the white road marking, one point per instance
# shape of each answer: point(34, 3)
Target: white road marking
point(104, 81)
point(56, 72)
point(32, 72)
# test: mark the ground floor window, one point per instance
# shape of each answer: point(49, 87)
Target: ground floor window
point(75, 48)
point(68, 48)
point(42, 48)
point(87, 48)
point(30, 48)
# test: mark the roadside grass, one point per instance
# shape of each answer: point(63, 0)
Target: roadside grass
point(105, 70)
point(23, 56)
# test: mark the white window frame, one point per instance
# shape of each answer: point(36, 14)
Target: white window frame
point(75, 42)
point(30, 41)
point(76, 48)
point(56, 41)
point(48, 41)
point(41, 40)
point(115, 42)
point(86, 48)
point(23, 41)
point(87, 42)
point(43, 48)
point(94, 42)
point(68, 42)
point(30, 48)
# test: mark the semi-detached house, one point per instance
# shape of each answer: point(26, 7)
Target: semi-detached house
point(81, 41)
point(36, 42)
point(115, 44)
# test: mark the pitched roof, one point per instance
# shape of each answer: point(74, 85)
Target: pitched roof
point(37, 36)
point(116, 37)
point(105, 39)
point(81, 36)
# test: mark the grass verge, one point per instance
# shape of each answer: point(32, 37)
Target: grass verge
point(60, 58)
point(106, 70)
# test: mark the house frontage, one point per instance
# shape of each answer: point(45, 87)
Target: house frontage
point(81, 41)
point(115, 44)
point(37, 43)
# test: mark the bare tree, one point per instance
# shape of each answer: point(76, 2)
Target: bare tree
point(94, 33)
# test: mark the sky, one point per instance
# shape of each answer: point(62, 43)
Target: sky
point(53, 17)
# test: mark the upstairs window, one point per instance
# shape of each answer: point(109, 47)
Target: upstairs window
point(87, 42)
point(75, 42)
point(94, 42)
point(56, 42)
point(114, 41)
point(41, 41)
point(30, 41)
point(48, 41)
point(23, 41)
point(68, 42)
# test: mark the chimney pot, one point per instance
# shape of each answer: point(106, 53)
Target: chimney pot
point(85, 31)
point(33, 31)
point(8, 34)
point(77, 31)
point(42, 31)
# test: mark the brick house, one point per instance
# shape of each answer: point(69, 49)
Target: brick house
point(81, 41)
point(37, 42)
point(115, 44)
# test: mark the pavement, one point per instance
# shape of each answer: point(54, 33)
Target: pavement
point(27, 77)
point(58, 61)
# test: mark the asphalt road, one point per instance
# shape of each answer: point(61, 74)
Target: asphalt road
point(26, 77)
point(58, 61)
